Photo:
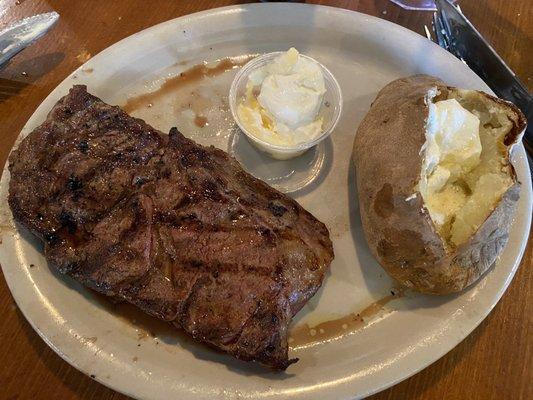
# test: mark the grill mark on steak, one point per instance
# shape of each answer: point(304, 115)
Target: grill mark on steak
point(177, 229)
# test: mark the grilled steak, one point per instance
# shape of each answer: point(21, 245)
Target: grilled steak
point(177, 229)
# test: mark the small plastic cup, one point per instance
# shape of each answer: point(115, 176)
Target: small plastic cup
point(330, 109)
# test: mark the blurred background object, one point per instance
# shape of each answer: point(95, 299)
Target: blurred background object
point(21, 34)
point(424, 5)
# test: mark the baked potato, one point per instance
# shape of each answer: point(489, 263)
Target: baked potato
point(437, 190)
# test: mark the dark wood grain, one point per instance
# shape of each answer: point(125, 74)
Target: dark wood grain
point(494, 362)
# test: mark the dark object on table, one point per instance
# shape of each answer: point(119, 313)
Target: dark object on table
point(177, 229)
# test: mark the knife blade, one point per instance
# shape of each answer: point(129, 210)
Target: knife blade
point(22, 33)
point(467, 43)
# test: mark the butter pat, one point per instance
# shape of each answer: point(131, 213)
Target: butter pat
point(283, 99)
point(452, 150)
point(453, 133)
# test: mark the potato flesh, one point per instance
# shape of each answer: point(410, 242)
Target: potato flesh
point(461, 202)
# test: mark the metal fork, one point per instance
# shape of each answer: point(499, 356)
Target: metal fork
point(441, 33)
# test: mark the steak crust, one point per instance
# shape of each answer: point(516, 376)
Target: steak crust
point(177, 229)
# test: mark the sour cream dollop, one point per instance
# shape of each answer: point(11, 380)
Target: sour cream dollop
point(283, 99)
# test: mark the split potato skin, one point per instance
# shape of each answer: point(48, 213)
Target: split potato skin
point(397, 226)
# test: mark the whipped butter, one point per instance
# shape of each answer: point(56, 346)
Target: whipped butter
point(452, 150)
point(283, 99)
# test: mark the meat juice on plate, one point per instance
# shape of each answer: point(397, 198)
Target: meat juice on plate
point(193, 97)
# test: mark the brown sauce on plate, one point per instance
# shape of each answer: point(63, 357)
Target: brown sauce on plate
point(149, 327)
point(306, 335)
point(187, 77)
point(200, 121)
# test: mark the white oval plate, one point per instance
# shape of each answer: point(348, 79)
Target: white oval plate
point(364, 53)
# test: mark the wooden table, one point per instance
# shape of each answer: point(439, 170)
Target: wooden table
point(494, 362)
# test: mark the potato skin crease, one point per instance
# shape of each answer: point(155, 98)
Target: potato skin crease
point(397, 226)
